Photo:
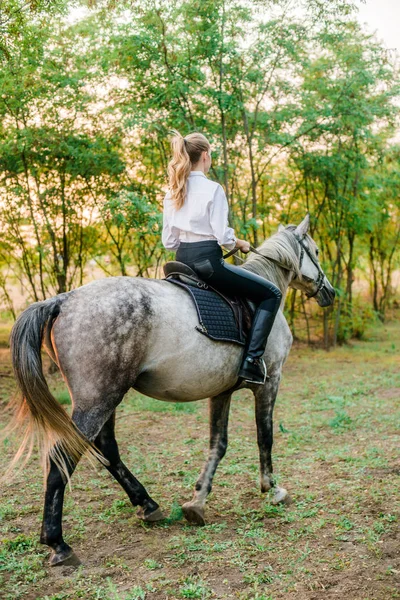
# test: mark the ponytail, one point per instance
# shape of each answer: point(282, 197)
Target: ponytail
point(186, 152)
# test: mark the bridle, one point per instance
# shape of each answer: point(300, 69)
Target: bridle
point(303, 250)
point(321, 275)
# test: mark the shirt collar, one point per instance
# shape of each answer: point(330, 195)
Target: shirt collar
point(197, 173)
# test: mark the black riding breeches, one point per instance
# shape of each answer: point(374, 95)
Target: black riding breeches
point(206, 259)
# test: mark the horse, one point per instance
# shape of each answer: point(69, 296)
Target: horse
point(118, 333)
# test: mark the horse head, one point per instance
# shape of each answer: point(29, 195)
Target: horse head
point(310, 279)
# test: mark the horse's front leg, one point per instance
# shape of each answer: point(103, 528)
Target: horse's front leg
point(219, 414)
point(265, 400)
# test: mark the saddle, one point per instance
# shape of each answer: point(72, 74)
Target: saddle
point(221, 318)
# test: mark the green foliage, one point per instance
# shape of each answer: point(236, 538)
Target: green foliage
point(355, 320)
point(133, 223)
point(300, 111)
point(18, 545)
point(193, 588)
point(341, 420)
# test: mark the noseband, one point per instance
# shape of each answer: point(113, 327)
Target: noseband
point(321, 275)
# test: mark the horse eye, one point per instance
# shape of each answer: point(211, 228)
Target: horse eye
point(317, 251)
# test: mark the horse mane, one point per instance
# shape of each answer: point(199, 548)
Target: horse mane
point(282, 247)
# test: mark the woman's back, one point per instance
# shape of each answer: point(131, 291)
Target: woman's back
point(203, 215)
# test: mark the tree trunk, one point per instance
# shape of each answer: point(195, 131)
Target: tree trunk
point(306, 320)
point(349, 270)
point(374, 274)
point(292, 311)
point(222, 110)
point(325, 320)
point(253, 178)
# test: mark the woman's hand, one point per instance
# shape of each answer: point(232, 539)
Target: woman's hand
point(243, 246)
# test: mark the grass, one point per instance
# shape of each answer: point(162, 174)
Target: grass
point(336, 451)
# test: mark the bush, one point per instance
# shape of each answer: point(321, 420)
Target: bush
point(355, 319)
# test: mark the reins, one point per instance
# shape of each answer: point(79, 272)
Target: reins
point(255, 251)
point(303, 250)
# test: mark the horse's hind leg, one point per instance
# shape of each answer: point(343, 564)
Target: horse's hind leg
point(51, 533)
point(107, 444)
point(219, 415)
point(89, 423)
point(265, 400)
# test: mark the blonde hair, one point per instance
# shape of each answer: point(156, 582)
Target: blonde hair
point(186, 152)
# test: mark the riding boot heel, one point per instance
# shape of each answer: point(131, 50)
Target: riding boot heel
point(253, 370)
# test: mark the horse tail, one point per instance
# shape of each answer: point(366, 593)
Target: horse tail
point(36, 411)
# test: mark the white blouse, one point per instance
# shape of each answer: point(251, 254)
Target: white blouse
point(204, 215)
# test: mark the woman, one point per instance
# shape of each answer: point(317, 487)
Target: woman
point(196, 226)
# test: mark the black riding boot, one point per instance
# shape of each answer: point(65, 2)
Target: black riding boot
point(253, 367)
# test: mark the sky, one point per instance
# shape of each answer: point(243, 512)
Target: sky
point(382, 16)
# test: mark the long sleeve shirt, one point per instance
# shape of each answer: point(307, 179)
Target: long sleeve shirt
point(203, 216)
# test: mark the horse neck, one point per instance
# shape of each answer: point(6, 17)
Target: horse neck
point(269, 270)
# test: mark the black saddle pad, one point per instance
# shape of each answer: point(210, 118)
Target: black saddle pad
point(216, 317)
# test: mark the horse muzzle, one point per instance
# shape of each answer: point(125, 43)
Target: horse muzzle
point(326, 294)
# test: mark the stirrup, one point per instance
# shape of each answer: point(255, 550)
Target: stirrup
point(254, 370)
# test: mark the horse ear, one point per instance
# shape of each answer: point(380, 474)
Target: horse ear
point(281, 228)
point(302, 229)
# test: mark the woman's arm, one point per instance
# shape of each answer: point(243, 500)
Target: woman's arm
point(169, 240)
point(219, 223)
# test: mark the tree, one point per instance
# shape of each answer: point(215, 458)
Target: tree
point(50, 153)
point(348, 92)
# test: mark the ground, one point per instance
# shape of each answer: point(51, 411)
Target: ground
point(336, 451)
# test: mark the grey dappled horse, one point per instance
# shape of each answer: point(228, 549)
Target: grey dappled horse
point(124, 332)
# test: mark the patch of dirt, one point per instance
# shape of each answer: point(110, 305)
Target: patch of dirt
point(389, 393)
point(382, 472)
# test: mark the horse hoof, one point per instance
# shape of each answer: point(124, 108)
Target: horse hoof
point(281, 496)
point(194, 514)
point(62, 559)
point(150, 517)
point(265, 486)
